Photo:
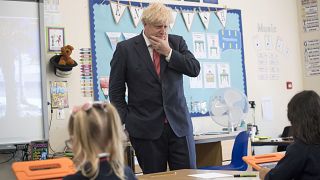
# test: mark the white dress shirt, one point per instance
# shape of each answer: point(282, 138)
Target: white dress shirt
point(150, 49)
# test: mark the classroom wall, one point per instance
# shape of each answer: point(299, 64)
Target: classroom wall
point(255, 14)
point(74, 17)
point(283, 16)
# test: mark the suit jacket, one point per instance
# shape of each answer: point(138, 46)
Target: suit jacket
point(151, 99)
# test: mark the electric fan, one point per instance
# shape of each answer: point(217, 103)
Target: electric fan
point(228, 107)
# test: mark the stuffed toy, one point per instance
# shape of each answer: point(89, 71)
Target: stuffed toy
point(65, 58)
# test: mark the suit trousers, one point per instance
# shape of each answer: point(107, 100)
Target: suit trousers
point(154, 155)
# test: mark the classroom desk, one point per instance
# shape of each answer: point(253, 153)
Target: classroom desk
point(183, 174)
point(208, 149)
point(271, 142)
point(209, 138)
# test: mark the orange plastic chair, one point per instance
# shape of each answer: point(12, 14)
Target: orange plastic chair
point(43, 169)
point(254, 161)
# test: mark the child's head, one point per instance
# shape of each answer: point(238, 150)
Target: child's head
point(95, 128)
point(304, 115)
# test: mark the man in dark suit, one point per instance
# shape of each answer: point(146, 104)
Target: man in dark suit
point(155, 115)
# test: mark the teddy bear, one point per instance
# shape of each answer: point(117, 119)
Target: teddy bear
point(65, 58)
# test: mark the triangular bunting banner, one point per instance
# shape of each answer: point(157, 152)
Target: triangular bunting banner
point(222, 16)
point(117, 10)
point(205, 18)
point(129, 35)
point(188, 18)
point(114, 38)
point(136, 13)
point(174, 16)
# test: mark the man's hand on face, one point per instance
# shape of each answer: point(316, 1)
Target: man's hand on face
point(160, 45)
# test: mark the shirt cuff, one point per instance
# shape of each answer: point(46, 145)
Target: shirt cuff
point(169, 56)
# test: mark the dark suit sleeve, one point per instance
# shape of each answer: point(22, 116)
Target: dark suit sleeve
point(117, 81)
point(291, 165)
point(182, 60)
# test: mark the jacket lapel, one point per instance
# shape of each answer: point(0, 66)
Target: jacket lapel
point(142, 50)
point(163, 62)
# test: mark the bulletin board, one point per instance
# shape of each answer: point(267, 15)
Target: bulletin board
point(222, 62)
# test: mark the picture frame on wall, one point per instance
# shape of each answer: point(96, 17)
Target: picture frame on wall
point(55, 39)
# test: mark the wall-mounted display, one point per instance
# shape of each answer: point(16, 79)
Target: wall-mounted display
point(55, 39)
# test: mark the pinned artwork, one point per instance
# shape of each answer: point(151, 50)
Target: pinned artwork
point(59, 94)
point(224, 75)
point(214, 51)
point(104, 86)
point(55, 39)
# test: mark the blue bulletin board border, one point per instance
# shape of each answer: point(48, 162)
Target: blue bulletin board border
point(202, 7)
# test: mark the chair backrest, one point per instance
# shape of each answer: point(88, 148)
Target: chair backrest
point(287, 131)
point(240, 149)
point(43, 169)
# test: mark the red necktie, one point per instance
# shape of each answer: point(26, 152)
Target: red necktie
point(156, 61)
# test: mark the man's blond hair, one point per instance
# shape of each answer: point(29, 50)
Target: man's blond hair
point(157, 13)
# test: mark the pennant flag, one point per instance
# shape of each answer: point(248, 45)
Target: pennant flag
point(222, 16)
point(205, 18)
point(129, 35)
point(136, 13)
point(174, 16)
point(114, 38)
point(117, 10)
point(188, 18)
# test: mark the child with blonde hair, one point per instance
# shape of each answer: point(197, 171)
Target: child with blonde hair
point(97, 139)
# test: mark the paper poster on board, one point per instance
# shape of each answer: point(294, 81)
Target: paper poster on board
point(209, 75)
point(199, 45)
point(59, 94)
point(224, 75)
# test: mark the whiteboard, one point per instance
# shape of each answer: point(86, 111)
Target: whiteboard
point(21, 102)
